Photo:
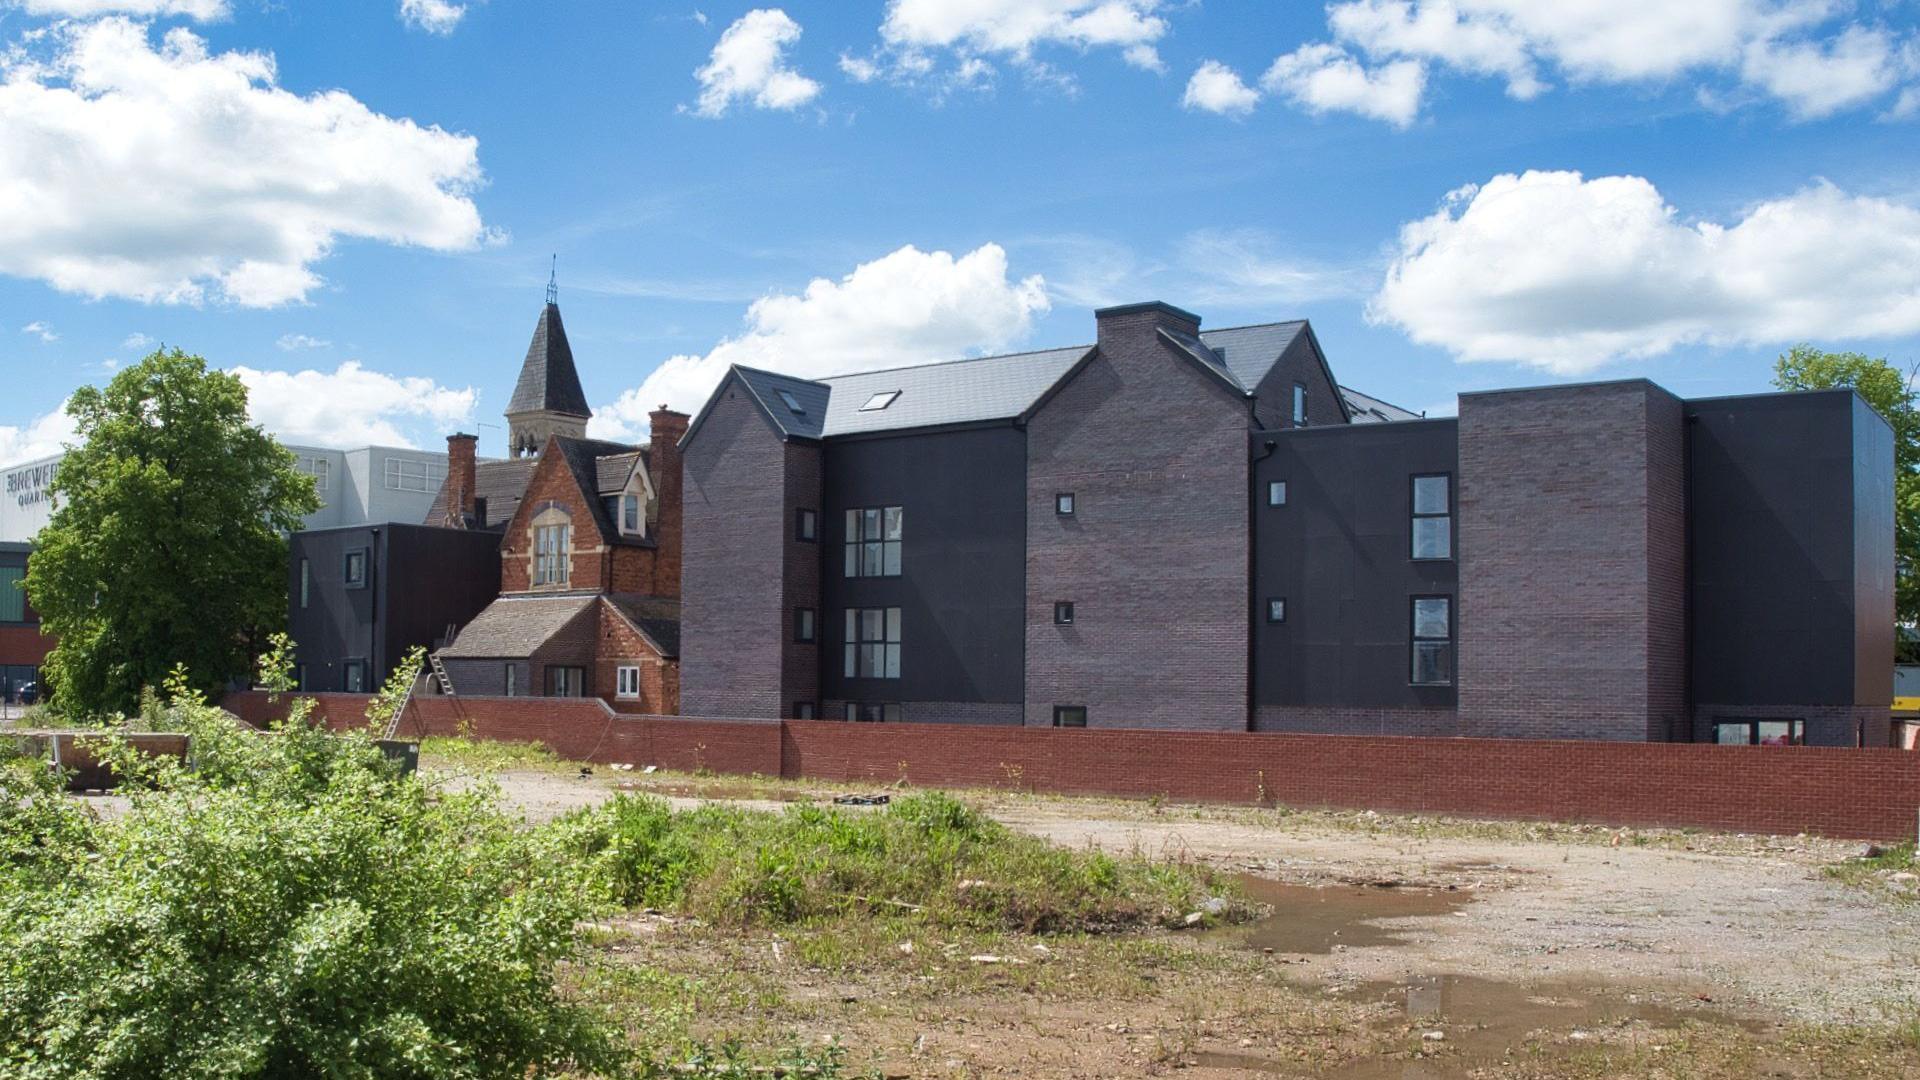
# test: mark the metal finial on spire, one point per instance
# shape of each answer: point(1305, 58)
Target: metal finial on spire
point(553, 282)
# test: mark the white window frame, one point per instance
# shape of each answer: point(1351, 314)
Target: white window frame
point(414, 474)
point(626, 679)
point(552, 554)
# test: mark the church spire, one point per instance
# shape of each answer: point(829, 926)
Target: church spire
point(547, 400)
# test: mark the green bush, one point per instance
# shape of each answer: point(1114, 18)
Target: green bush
point(927, 854)
point(292, 907)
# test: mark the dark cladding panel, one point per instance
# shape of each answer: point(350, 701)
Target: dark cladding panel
point(1339, 552)
point(961, 590)
point(335, 624)
point(1873, 565)
point(1771, 497)
point(433, 578)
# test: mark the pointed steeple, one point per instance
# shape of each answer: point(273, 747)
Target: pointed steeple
point(548, 399)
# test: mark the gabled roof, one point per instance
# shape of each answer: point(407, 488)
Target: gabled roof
point(583, 457)
point(767, 388)
point(1367, 409)
point(657, 618)
point(516, 626)
point(614, 470)
point(501, 482)
point(548, 381)
point(1249, 352)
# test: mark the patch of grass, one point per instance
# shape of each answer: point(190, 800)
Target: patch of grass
point(487, 755)
point(927, 856)
point(1873, 870)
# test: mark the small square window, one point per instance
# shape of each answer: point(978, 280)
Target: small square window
point(803, 625)
point(1063, 613)
point(627, 682)
point(1276, 493)
point(806, 526)
point(1063, 504)
point(353, 677)
point(353, 569)
point(1276, 609)
point(803, 710)
point(1069, 716)
point(880, 401)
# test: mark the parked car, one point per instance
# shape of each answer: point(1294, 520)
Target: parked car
point(27, 693)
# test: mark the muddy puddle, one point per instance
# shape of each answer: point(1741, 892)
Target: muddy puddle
point(1315, 920)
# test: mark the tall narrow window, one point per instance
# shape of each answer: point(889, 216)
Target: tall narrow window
point(1276, 493)
point(1063, 612)
point(873, 542)
point(630, 514)
point(353, 568)
point(872, 643)
point(1432, 641)
point(306, 585)
point(803, 627)
point(1433, 516)
point(1299, 405)
point(806, 526)
point(13, 602)
point(1276, 609)
point(353, 677)
point(1063, 504)
point(512, 672)
point(551, 565)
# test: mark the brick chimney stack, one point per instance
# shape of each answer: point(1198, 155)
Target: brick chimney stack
point(1135, 325)
point(461, 479)
point(669, 427)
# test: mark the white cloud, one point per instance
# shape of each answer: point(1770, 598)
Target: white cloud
point(859, 68)
point(177, 175)
point(41, 330)
point(136, 341)
point(905, 307)
point(298, 342)
point(1807, 54)
point(750, 64)
point(433, 16)
point(1324, 78)
point(1564, 273)
point(1216, 88)
point(203, 10)
point(975, 32)
point(351, 406)
point(42, 437)
point(1248, 268)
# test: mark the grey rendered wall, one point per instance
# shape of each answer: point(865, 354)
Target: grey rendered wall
point(1156, 557)
point(1572, 563)
point(962, 589)
point(1340, 553)
point(734, 618)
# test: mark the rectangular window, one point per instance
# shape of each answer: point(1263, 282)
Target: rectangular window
point(873, 542)
point(306, 585)
point(872, 643)
point(873, 712)
point(1276, 609)
point(353, 569)
point(1432, 641)
point(1433, 516)
point(320, 469)
point(353, 677)
point(880, 401)
point(1063, 504)
point(410, 474)
point(13, 601)
point(1760, 732)
point(803, 625)
point(1069, 716)
point(512, 677)
point(566, 681)
point(1063, 613)
point(630, 514)
point(1276, 493)
point(803, 710)
point(1299, 405)
point(551, 564)
point(626, 682)
point(806, 526)
point(792, 403)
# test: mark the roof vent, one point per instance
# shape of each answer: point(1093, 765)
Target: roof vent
point(792, 402)
point(880, 401)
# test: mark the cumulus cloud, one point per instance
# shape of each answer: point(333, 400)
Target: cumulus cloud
point(906, 307)
point(1805, 54)
point(173, 174)
point(1217, 88)
point(750, 65)
point(136, 341)
point(1564, 273)
point(40, 330)
point(973, 34)
point(1324, 78)
point(352, 406)
point(300, 342)
point(41, 437)
point(433, 16)
point(203, 10)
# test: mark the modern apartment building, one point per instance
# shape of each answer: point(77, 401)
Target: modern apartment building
point(1201, 529)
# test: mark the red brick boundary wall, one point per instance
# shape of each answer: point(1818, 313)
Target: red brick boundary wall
point(1864, 794)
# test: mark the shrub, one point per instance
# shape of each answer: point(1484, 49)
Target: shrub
point(293, 908)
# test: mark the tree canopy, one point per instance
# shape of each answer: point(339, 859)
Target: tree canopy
point(1891, 392)
point(167, 544)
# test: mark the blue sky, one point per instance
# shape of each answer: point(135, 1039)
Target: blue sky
point(1400, 173)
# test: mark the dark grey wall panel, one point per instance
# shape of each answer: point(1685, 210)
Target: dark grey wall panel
point(963, 559)
point(1339, 553)
point(1873, 564)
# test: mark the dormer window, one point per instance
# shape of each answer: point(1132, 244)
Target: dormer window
point(880, 401)
point(791, 402)
point(630, 513)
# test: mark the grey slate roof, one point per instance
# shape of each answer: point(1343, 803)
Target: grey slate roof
point(1249, 352)
point(516, 626)
point(657, 617)
point(501, 482)
point(583, 457)
point(548, 381)
point(1367, 409)
point(612, 471)
point(812, 396)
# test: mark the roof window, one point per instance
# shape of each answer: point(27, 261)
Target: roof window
point(880, 401)
point(792, 402)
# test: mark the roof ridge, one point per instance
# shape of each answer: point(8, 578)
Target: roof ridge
point(956, 360)
point(775, 374)
point(1251, 326)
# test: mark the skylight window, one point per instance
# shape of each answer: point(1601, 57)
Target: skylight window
point(880, 401)
point(792, 402)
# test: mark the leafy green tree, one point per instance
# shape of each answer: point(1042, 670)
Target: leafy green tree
point(1891, 392)
point(167, 544)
